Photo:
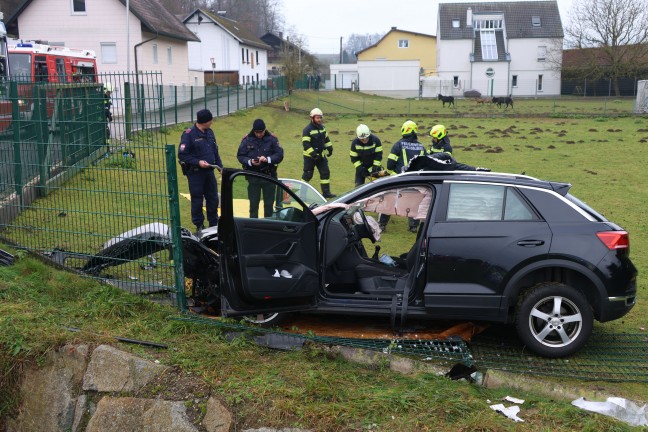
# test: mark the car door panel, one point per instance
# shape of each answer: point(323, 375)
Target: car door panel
point(271, 263)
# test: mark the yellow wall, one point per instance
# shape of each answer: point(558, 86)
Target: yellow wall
point(421, 47)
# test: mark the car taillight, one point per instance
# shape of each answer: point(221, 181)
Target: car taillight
point(614, 239)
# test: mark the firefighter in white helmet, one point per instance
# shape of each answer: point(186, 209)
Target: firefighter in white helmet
point(316, 141)
point(366, 154)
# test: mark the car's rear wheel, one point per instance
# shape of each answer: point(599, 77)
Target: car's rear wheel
point(554, 320)
point(265, 320)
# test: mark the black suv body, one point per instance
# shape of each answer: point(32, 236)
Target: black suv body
point(490, 246)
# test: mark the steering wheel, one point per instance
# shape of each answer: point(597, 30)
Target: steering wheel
point(367, 226)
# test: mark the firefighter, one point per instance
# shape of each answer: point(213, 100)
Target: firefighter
point(198, 155)
point(315, 140)
point(440, 140)
point(260, 152)
point(366, 154)
point(107, 106)
point(401, 153)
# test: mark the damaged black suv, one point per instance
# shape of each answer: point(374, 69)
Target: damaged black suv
point(489, 247)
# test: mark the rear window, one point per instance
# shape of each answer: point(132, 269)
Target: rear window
point(482, 202)
point(587, 209)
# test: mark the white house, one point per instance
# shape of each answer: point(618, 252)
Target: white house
point(155, 38)
point(500, 48)
point(227, 53)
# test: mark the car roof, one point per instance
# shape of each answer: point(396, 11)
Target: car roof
point(484, 177)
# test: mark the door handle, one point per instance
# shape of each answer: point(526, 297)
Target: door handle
point(530, 243)
point(289, 229)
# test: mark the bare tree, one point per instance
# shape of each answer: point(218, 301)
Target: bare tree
point(618, 29)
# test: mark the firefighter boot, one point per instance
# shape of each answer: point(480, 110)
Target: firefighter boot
point(326, 191)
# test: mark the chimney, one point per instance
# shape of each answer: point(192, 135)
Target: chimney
point(469, 20)
point(393, 28)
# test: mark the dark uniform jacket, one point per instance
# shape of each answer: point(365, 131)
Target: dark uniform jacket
point(443, 145)
point(367, 155)
point(315, 139)
point(196, 146)
point(402, 152)
point(252, 148)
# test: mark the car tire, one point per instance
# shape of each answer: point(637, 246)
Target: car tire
point(554, 320)
point(265, 320)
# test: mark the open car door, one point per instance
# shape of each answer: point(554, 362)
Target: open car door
point(268, 264)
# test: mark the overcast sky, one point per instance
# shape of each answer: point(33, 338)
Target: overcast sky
point(322, 23)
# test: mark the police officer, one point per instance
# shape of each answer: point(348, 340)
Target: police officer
point(198, 155)
point(260, 152)
point(401, 153)
point(315, 140)
point(366, 153)
point(440, 140)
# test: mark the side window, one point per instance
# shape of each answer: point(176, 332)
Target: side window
point(60, 70)
point(481, 202)
point(78, 7)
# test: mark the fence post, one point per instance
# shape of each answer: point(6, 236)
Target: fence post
point(175, 103)
point(205, 96)
point(161, 104)
point(217, 103)
point(247, 88)
point(16, 125)
point(228, 99)
point(174, 216)
point(128, 110)
point(191, 102)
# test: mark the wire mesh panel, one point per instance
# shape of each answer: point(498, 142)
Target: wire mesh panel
point(84, 178)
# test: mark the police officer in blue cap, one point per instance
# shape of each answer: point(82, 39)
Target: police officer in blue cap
point(198, 155)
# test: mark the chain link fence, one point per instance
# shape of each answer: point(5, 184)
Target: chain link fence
point(88, 179)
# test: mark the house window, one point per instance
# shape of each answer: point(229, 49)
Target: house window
point(455, 23)
point(535, 21)
point(514, 81)
point(257, 57)
point(247, 56)
point(539, 83)
point(542, 53)
point(108, 52)
point(242, 55)
point(78, 7)
point(155, 54)
point(403, 43)
point(169, 56)
point(455, 81)
point(488, 45)
point(488, 24)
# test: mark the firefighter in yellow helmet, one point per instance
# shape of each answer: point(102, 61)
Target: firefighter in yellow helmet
point(440, 140)
point(315, 141)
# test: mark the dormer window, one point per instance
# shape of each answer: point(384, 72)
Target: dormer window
point(535, 21)
point(403, 43)
point(455, 23)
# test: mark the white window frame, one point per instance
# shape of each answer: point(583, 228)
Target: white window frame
point(403, 43)
point(535, 21)
point(488, 45)
point(540, 83)
point(455, 81)
point(456, 23)
point(542, 53)
point(514, 81)
point(155, 54)
point(108, 52)
point(170, 55)
point(73, 11)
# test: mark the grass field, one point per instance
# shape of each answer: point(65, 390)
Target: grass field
point(603, 157)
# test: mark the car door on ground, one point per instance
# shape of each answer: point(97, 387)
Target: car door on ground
point(481, 233)
point(268, 263)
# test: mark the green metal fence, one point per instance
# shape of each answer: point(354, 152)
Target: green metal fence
point(74, 186)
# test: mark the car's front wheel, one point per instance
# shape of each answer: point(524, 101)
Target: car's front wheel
point(265, 320)
point(554, 320)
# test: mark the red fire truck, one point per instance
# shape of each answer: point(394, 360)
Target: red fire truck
point(35, 62)
point(5, 107)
